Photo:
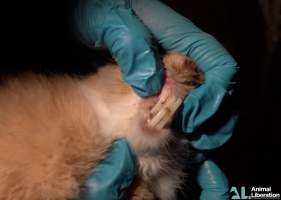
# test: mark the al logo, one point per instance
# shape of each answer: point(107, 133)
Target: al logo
point(238, 193)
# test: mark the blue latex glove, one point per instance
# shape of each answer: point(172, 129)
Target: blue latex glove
point(112, 23)
point(212, 181)
point(210, 178)
point(113, 176)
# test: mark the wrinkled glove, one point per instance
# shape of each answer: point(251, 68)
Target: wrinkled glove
point(113, 23)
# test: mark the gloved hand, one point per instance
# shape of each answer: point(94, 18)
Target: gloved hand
point(113, 176)
point(113, 23)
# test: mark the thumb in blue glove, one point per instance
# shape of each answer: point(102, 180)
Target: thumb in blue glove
point(113, 176)
point(212, 181)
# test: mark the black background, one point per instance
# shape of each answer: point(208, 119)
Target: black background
point(37, 35)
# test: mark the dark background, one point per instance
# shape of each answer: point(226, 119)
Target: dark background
point(37, 35)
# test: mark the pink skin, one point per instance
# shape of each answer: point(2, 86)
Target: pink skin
point(165, 104)
point(173, 87)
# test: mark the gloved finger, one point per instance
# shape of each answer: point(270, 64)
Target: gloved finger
point(207, 112)
point(176, 33)
point(212, 181)
point(110, 179)
point(112, 23)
